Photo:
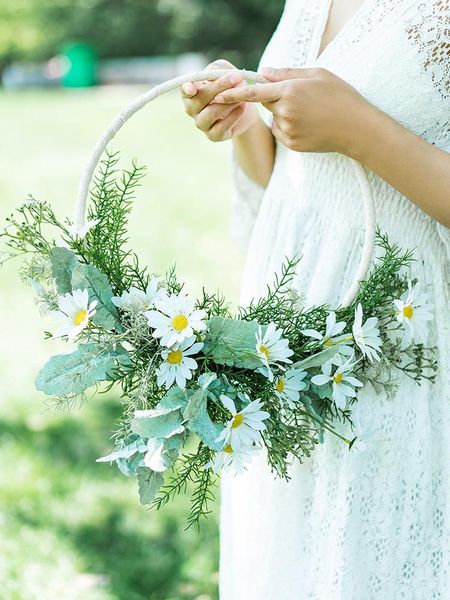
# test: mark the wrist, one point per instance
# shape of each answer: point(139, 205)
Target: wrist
point(371, 132)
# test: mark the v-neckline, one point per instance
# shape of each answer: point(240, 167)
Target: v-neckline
point(323, 24)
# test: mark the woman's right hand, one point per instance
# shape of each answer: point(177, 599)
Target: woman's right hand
point(218, 122)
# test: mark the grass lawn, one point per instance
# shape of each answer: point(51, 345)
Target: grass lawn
point(70, 528)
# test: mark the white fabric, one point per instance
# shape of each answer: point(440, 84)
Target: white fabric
point(370, 525)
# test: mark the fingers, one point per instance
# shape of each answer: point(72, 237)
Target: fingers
point(223, 129)
point(276, 131)
point(260, 92)
point(196, 100)
point(286, 73)
point(212, 113)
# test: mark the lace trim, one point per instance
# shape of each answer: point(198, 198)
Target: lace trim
point(429, 30)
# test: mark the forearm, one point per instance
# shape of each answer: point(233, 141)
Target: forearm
point(255, 152)
point(416, 168)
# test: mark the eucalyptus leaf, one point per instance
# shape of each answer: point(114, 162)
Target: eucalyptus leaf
point(156, 422)
point(63, 263)
point(90, 278)
point(73, 373)
point(126, 451)
point(150, 482)
point(129, 466)
point(232, 342)
point(199, 421)
point(174, 398)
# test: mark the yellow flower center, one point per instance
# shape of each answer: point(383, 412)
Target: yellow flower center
point(237, 420)
point(408, 311)
point(328, 342)
point(180, 322)
point(279, 385)
point(338, 378)
point(174, 357)
point(264, 350)
point(80, 316)
point(228, 449)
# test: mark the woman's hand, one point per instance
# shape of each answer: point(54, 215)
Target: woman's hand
point(218, 122)
point(313, 110)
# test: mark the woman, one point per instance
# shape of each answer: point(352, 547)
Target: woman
point(368, 80)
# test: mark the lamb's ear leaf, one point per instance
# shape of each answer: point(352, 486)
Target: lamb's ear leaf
point(90, 278)
point(63, 263)
point(232, 342)
point(156, 422)
point(199, 421)
point(150, 482)
point(67, 374)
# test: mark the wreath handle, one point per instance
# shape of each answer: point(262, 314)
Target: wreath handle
point(130, 109)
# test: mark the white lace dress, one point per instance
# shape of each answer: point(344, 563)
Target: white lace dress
point(372, 525)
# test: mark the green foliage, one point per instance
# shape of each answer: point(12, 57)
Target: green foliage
point(199, 421)
point(149, 483)
point(157, 423)
point(27, 230)
point(112, 196)
point(63, 263)
point(238, 30)
point(90, 278)
point(232, 342)
point(67, 374)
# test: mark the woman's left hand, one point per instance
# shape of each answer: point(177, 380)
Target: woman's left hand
point(313, 109)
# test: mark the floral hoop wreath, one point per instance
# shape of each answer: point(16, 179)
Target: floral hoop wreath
point(203, 389)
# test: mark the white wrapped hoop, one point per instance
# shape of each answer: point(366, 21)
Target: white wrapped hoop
point(130, 109)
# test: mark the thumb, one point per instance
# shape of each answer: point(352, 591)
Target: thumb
point(283, 74)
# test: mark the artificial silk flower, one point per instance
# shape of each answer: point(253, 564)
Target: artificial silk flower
point(336, 371)
point(367, 335)
point(413, 311)
point(245, 426)
point(272, 349)
point(332, 336)
point(74, 313)
point(233, 458)
point(81, 231)
point(177, 363)
point(175, 319)
point(138, 299)
point(289, 385)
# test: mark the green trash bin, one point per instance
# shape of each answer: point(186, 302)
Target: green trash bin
point(81, 70)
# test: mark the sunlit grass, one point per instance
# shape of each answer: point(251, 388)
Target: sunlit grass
point(70, 528)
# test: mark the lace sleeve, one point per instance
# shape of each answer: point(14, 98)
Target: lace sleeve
point(247, 194)
point(246, 201)
point(428, 29)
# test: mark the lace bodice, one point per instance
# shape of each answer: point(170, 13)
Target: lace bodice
point(376, 524)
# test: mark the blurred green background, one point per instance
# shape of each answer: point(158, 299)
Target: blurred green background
point(72, 529)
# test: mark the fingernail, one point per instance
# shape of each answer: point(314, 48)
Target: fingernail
point(234, 77)
point(268, 69)
point(219, 100)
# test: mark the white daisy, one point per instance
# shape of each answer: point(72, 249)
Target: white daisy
point(233, 458)
point(272, 349)
point(80, 232)
point(413, 311)
point(332, 335)
point(175, 319)
point(336, 371)
point(367, 336)
point(245, 426)
point(74, 313)
point(288, 386)
point(138, 299)
point(178, 364)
